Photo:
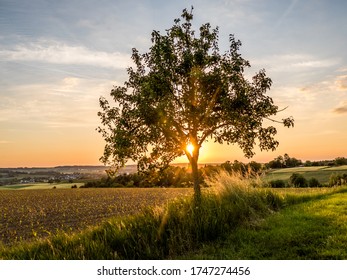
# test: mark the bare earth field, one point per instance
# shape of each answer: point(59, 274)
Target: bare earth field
point(31, 214)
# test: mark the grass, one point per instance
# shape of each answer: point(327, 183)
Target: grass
point(316, 228)
point(299, 169)
point(321, 173)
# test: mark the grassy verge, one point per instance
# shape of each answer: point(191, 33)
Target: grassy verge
point(160, 233)
point(313, 227)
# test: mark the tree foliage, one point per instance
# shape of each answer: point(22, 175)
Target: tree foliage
point(183, 90)
point(297, 180)
point(284, 162)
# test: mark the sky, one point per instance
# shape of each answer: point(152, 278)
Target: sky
point(58, 57)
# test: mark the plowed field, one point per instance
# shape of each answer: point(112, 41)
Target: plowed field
point(31, 214)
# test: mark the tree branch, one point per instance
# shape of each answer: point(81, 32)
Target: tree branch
point(276, 121)
point(211, 130)
point(282, 109)
point(211, 103)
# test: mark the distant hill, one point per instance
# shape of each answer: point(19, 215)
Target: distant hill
point(68, 169)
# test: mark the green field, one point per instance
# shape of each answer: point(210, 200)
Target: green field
point(40, 186)
point(314, 229)
point(321, 173)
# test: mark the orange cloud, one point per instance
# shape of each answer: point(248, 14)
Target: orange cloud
point(341, 82)
point(341, 109)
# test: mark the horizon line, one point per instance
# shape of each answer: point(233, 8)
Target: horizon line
point(134, 164)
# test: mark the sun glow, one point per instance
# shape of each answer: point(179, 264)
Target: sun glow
point(190, 148)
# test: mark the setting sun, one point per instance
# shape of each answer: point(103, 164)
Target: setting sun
point(190, 148)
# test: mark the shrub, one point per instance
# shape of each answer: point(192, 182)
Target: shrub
point(313, 183)
point(298, 181)
point(117, 185)
point(277, 184)
point(337, 180)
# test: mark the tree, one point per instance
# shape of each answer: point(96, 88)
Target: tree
point(291, 162)
point(181, 92)
point(313, 183)
point(255, 167)
point(298, 181)
point(340, 161)
point(276, 163)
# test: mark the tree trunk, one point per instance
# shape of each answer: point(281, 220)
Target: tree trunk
point(196, 181)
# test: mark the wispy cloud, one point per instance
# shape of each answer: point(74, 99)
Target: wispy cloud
point(295, 62)
point(341, 83)
point(70, 102)
point(61, 53)
point(342, 109)
point(226, 15)
point(315, 63)
point(286, 12)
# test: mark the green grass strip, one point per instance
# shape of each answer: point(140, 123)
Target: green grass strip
point(314, 229)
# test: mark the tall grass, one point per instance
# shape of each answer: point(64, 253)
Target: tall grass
point(161, 233)
point(313, 226)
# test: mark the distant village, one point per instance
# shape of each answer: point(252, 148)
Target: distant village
point(59, 174)
point(53, 179)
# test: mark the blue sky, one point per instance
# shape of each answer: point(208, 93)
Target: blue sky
point(58, 57)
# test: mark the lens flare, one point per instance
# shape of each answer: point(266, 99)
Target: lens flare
point(190, 148)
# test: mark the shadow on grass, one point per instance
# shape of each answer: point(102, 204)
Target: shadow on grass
point(313, 229)
point(296, 198)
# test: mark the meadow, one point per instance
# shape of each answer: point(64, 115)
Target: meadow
point(40, 186)
point(321, 173)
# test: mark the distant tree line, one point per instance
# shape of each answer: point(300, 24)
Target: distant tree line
point(180, 177)
point(174, 176)
point(336, 162)
point(286, 162)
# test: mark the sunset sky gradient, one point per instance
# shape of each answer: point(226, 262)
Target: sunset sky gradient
point(58, 57)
